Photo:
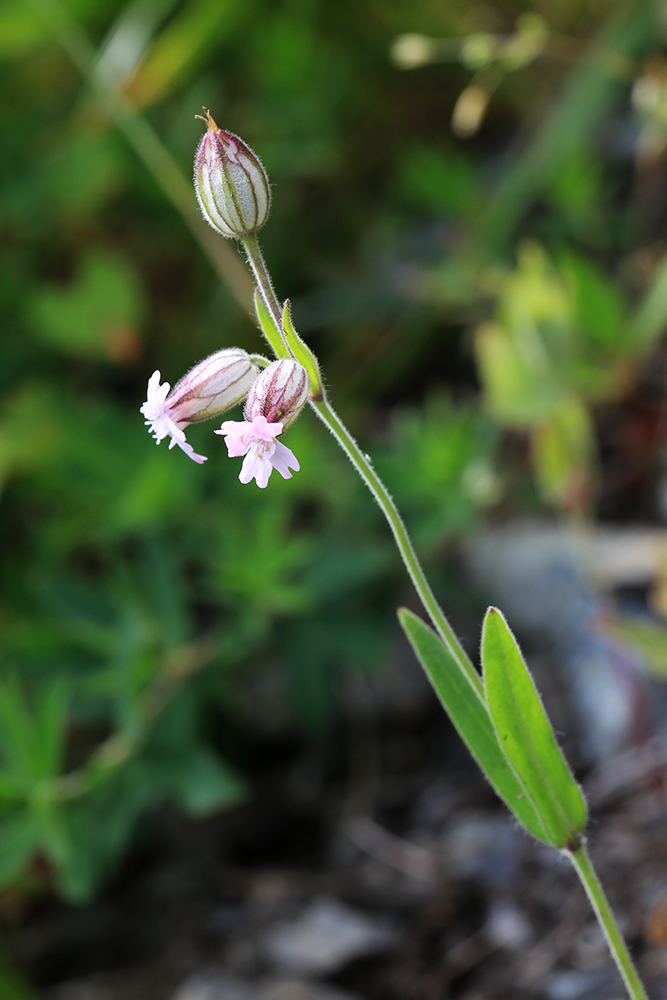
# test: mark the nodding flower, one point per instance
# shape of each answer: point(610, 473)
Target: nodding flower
point(274, 402)
point(211, 388)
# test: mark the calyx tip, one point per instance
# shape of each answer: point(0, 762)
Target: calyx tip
point(212, 127)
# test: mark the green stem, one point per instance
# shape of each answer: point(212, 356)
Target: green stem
point(363, 466)
point(584, 868)
point(263, 279)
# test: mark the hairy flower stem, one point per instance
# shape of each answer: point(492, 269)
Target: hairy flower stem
point(591, 883)
point(263, 279)
point(363, 466)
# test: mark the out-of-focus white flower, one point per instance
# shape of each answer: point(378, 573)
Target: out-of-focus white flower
point(256, 439)
point(209, 389)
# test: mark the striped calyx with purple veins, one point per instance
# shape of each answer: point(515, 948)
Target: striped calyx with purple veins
point(230, 182)
point(279, 393)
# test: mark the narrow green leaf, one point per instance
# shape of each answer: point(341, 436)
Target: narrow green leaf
point(204, 783)
point(19, 839)
point(268, 327)
point(302, 353)
point(526, 737)
point(471, 719)
point(19, 740)
point(51, 718)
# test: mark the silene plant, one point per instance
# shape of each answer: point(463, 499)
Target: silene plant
point(499, 714)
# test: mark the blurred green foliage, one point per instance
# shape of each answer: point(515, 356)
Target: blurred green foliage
point(139, 592)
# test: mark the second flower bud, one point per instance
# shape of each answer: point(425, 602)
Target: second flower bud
point(279, 393)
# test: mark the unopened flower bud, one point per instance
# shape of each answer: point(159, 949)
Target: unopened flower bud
point(213, 386)
point(209, 389)
point(279, 394)
point(231, 183)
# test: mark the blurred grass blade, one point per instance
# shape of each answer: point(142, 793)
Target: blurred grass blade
point(19, 738)
point(183, 46)
point(123, 50)
point(651, 318)
point(471, 719)
point(526, 737)
point(52, 719)
point(20, 837)
point(148, 146)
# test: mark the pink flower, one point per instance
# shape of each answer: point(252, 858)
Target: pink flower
point(256, 439)
point(211, 387)
point(159, 418)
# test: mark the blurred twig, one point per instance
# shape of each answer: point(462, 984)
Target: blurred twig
point(148, 147)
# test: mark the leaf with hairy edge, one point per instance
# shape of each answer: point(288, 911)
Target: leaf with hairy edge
point(471, 719)
point(269, 328)
point(302, 353)
point(526, 737)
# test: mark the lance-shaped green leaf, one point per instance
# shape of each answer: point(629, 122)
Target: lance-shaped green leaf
point(471, 718)
point(302, 353)
point(269, 328)
point(526, 737)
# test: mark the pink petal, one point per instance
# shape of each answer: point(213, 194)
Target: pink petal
point(233, 427)
point(157, 393)
point(283, 460)
point(237, 437)
point(256, 467)
point(263, 430)
point(236, 445)
point(189, 451)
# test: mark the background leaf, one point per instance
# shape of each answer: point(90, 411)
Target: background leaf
point(97, 315)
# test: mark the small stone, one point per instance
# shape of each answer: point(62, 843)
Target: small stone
point(214, 984)
point(299, 989)
point(595, 985)
point(324, 938)
point(507, 927)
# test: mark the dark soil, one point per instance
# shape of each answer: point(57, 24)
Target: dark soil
point(365, 817)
